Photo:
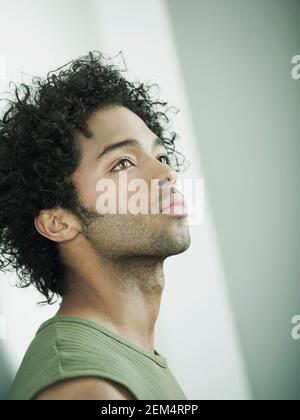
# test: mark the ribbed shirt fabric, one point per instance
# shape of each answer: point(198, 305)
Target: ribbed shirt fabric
point(71, 347)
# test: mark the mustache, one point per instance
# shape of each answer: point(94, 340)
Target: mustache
point(172, 195)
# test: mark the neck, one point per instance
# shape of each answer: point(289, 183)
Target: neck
point(123, 295)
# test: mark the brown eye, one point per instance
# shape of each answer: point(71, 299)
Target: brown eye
point(120, 166)
point(165, 158)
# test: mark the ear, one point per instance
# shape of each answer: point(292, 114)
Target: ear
point(57, 224)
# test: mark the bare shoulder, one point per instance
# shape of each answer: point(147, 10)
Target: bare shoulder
point(85, 389)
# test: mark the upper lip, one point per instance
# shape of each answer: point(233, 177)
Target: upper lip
point(175, 199)
point(173, 204)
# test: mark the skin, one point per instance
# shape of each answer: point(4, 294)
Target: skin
point(114, 262)
point(85, 389)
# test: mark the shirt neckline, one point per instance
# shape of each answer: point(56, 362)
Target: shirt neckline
point(157, 357)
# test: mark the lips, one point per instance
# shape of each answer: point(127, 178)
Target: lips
point(175, 202)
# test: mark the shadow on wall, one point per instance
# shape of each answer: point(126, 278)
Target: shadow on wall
point(6, 376)
point(236, 61)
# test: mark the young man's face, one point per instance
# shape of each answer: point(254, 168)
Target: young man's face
point(155, 232)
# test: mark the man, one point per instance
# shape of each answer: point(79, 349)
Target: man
point(79, 126)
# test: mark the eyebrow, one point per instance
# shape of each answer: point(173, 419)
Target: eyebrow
point(128, 142)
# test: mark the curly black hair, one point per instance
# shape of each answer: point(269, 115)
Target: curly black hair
point(38, 157)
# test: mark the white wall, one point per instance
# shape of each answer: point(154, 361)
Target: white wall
point(195, 330)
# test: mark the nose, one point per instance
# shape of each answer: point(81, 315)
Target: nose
point(165, 180)
point(167, 177)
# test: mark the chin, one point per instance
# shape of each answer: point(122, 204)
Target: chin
point(172, 242)
point(181, 247)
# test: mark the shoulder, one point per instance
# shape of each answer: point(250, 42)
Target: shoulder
point(70, 360)
point(85, 389)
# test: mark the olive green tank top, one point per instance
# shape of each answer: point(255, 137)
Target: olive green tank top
point(71, 347)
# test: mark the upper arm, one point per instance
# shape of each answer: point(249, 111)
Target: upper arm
point(85, 389)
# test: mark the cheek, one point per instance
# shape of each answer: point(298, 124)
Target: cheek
point(86, 187)
point(106, 197)
point(115, 196)
point(121, 194)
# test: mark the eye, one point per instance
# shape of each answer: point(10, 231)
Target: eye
point(167, 159)
point(120, 166)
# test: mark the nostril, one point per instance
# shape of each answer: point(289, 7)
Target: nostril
point(166, 182)
point(161, 182)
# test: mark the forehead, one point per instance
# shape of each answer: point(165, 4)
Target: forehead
point(111, 124)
